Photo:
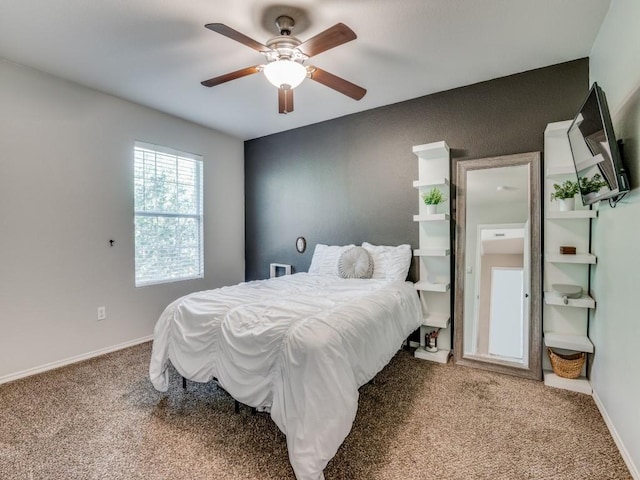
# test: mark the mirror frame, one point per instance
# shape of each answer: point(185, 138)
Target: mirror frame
point(532, 160)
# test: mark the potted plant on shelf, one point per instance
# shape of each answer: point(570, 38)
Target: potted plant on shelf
point(432, 199)
point(591, 185)
point(565, 194)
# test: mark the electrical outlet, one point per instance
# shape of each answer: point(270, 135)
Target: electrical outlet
point(102, 313)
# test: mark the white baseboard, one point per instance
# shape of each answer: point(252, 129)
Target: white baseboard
point(75, 359)
point(616, 438)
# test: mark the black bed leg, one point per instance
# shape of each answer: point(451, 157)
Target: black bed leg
point(253, 410)
point(184, 383)
point(236, 407)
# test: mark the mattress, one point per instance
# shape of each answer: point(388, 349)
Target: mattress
point(298, 346)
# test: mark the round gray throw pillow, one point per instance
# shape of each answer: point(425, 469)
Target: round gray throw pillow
point(355, 262)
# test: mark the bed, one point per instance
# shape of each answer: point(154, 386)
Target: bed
point(297, 346)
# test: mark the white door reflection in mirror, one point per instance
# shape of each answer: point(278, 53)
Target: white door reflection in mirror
point(506, 321)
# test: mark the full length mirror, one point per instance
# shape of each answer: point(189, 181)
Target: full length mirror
point(497, 264)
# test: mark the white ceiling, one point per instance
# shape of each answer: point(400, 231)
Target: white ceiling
point(156, 52)
point(500, 185)
point(502, 241)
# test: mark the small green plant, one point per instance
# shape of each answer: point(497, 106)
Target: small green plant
point(592, 185)
point(567, 190)
point(433, 197)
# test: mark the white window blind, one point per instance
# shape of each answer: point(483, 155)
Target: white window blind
point(168, 215)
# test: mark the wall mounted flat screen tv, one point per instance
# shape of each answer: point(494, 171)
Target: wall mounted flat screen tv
point(596, 156)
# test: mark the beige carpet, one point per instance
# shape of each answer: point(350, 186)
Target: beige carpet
point(102, 419)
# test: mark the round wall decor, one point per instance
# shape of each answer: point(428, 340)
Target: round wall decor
point(301, 244)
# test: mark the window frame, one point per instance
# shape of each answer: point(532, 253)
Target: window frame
point(149, 213)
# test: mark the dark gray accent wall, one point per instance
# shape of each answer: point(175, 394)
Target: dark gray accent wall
point(349, 180)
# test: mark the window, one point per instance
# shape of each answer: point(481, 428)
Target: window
point(168, 215)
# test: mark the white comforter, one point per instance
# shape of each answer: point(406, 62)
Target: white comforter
point(299, 346)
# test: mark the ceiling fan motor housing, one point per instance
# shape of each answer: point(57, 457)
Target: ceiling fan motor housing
point(284, 47)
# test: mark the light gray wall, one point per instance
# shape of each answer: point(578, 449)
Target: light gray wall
point(615, 324)
point(66, 165)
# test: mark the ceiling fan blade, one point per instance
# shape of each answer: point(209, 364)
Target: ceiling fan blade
point(330, 38)
point(338, 84)
point(229, 32)
point(212, 82)
point(285, 100)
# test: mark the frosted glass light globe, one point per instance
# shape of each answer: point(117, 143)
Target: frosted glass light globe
point(283, 73)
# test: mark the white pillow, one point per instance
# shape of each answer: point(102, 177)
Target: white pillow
point(325, 259)
point(390, 263)
point(355, 262)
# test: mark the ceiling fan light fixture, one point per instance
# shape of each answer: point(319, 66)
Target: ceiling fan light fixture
point(285, 73)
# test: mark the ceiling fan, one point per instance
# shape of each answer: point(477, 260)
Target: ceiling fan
point(286, 55)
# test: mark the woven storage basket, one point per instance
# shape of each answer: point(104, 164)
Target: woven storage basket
point(567, 366)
